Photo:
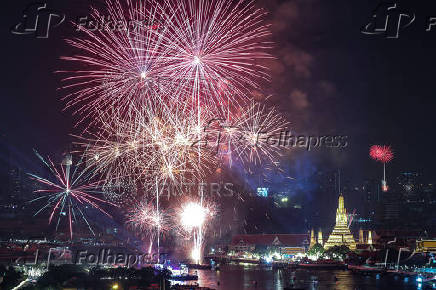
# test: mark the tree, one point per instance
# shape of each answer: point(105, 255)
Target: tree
point(11, 277)
point(316, 251)
point(337, 252)
point(261, 250)
point(57, 275)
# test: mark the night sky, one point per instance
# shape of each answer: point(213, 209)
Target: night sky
point(328, 78)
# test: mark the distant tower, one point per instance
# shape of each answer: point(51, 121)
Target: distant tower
point(320, 241)
point(341, 234)
point(361, 240)
point(312, 239)
point(370, 238)
point(68, 160)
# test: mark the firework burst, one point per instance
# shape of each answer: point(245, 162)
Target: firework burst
point(150, 220)
point(68, 192)
point(204, 52)
point(145, 217)
point(153, 143)
point(248, 138)
point(215, 48)
point(148, 93)
point(120, 192)
point(382, 154)
point(193, 219)
point(119, 66)
point(193, 215)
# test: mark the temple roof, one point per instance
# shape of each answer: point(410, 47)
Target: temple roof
point(295, 240)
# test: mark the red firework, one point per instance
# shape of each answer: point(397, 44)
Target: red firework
point(381, 153)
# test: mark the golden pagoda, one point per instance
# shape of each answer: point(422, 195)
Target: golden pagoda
point(361, 240)
point(341, 234)
point(370, 238)
point(320, 239)
point(312, 239)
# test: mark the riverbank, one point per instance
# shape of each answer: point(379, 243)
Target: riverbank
point(249, 276)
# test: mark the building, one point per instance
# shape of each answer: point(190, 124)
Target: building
point(426, 246)
point(4, 165)
point(341, 234)
point(262, 191)
point(370, 197)
point(286, 243)
point(391, 207)
point(409, 186)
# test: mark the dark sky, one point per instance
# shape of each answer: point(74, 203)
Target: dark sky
point(328, 78)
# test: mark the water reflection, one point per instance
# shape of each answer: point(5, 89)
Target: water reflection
point(249, 276)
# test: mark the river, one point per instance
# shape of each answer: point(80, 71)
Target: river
point(249, 276)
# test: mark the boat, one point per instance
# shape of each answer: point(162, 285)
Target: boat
point(325, 265)
point(184, 277)
point(178, 272)
point(199, 266)
point(366, 269)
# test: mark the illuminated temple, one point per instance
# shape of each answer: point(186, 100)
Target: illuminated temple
point(341, 234)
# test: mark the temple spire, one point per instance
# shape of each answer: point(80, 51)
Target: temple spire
point(341, 234)
point(320, 239)
point(361, 240)
point(341, 207)
point(370, 238)
point(312, 238)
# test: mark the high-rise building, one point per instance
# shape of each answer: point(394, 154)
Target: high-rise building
point(391, 207)
point(262, 191)
point(4, 166)
point(15, 183)
point(341, 234)
point(408, 184)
